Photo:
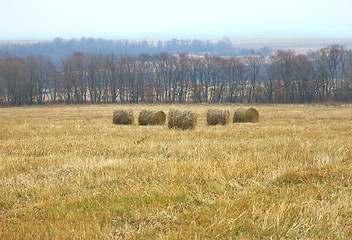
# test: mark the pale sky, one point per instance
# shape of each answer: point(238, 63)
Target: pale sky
point(154, 19)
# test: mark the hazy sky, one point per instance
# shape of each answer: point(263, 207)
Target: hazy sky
point(46, 19)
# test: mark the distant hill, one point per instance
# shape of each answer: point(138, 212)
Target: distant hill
point(58, 48)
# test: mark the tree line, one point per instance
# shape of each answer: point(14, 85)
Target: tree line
point(281, 77)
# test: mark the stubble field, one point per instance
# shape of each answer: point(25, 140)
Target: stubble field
point(68, 172)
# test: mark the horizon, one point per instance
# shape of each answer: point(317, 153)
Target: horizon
point(78, 38)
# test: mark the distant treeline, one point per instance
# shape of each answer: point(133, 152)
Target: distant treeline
point(280, 77)
point(59, 48)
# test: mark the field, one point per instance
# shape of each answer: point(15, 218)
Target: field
point(68, 172)
point(299, 45)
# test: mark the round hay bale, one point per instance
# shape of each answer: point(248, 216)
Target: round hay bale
point(216, 116)
point(123, 117)
point(151, 117)
point(182, 119)
point(246, 115)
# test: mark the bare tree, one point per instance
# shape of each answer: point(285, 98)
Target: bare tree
point(254, 64)
point(37, 68)
point(112, 75)
point(269, 82)
point(283, 63)
point(54, 81)
point(306, 85)
point(16, 81)
point(163, 74)
point(93, 77)
point(182, 76)
point(235, 79)
point(328, 62)
point(347, 77)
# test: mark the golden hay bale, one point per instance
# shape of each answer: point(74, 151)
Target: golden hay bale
point(246, 115)
point(123, 117)
point(151, 117)
point(182, 119)
point(216, 116)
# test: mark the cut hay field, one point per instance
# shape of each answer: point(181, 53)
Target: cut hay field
point(67, 172)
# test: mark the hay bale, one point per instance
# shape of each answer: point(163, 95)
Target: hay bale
point(151, 117)
point(246, 115)
point(123, 117)
point(182, 119)
point(216, 116)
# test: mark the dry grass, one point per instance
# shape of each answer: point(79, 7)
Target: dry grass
point(68, 172)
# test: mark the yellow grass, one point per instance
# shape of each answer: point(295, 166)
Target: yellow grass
point(68, 172)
